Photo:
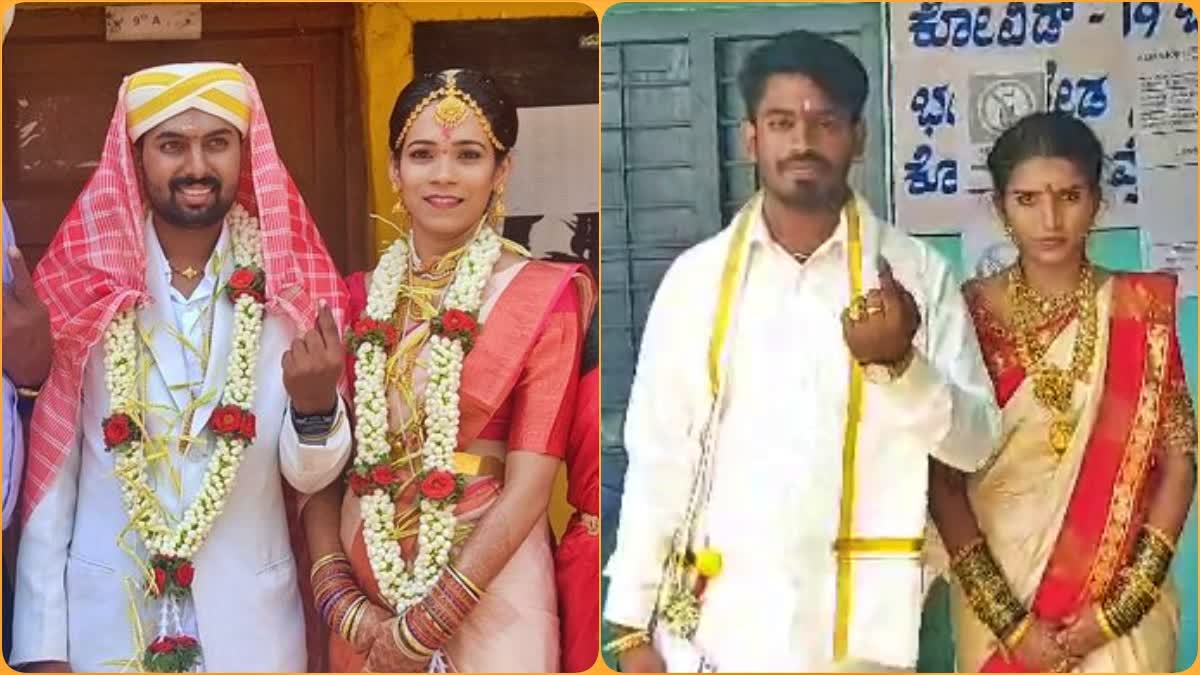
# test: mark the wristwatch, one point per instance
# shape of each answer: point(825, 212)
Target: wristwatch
point(314, 427)
point(886, 373)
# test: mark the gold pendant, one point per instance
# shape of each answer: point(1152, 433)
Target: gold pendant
point(1061, 432)
point(450, 112)
point(189, 273)
point(1053, 387)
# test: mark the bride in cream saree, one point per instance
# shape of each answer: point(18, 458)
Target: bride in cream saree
point(1061, 528)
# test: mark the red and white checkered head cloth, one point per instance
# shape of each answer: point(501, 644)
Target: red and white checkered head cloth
point(95, 267)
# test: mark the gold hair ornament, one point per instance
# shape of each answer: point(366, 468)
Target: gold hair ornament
point(453, 104)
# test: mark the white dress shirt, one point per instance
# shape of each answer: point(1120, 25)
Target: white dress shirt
point(773, 510)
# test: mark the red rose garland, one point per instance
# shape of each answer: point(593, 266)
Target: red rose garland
point(233, 422)
point(457, 324)
point(440, 485)
point(120, 429)
point(170, 571)
point(248, 280)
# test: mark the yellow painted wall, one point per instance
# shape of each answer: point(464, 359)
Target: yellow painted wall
point(384, 47)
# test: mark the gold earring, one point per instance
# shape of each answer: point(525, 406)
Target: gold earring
point(403, 217)
point(498, 209)
point(1008, 229)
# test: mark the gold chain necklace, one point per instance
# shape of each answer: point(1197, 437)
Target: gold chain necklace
point(1054, 386)
point(417, 303)
point(188, 272)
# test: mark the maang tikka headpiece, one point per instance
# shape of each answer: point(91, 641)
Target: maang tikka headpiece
point(452, 107)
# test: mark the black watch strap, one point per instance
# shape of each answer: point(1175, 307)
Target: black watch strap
point(314, 425)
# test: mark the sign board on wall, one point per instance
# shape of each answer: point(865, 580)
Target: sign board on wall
point(128, 23)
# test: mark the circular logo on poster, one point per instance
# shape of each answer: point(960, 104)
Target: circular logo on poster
point(1004, 101)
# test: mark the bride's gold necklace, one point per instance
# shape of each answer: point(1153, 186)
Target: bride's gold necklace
point(419, 297)
point(1054, 386)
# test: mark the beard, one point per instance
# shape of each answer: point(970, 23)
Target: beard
point(824, 191)
point(168, 207)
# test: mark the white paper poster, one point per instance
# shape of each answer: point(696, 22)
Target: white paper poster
point(1167, 215)
point(965, 71)
point(552, 196)
point(1165, 112)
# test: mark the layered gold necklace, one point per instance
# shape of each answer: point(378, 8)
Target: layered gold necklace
point(419, 296)
point(1053, 385)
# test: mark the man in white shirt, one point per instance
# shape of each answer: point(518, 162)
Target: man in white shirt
point(796, 372)
point(165, 444)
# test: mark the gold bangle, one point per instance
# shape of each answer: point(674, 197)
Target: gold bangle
point(465, 581)
point(347, 623)
point(624, 643)
point(1014, 636)
point(29, 392)
point(1159, 534)
point(1128, 601)
point(1152, 555)
point(350, 623)
point(1104, 623)
point(401, 643)
point(1144, 584)
point(986, 589)
point(359, 613)
point(325, 560)
point(414, 646)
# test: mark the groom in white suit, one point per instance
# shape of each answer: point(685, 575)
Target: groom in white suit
point(186, 564)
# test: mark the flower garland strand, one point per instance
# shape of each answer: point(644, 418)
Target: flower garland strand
point(372, 477)
point(232, 422)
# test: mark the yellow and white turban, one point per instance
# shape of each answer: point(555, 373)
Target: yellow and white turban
point(157, 94)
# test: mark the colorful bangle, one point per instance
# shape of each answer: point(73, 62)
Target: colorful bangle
point(336, 595)
point(458, 591)
point(325, 560)
point(423, 628)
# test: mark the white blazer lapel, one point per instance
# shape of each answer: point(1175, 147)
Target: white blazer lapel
point(221, 343)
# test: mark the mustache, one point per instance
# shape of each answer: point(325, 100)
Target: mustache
point(808, 157)
point(177, 184)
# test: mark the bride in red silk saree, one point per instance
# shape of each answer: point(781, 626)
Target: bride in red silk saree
point(439, 555)
point(1053, 543)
